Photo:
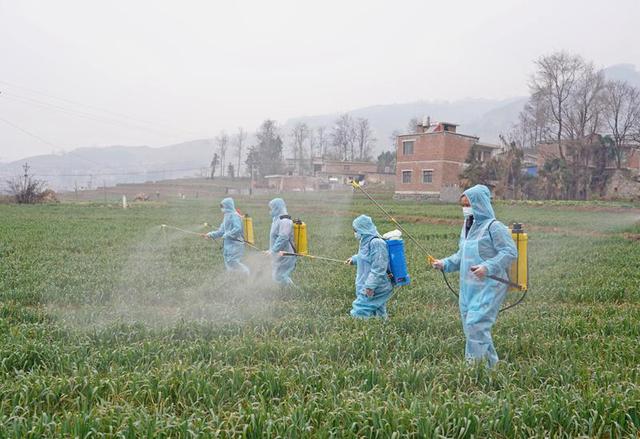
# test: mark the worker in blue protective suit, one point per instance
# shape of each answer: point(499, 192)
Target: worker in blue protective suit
point(232, 237)
point(281, 240)
point(373, 286)
point(485, 249)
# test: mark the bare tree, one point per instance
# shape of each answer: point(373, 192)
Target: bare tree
point(554, 84)
point(584, 120)
point(343, 136)
point(584, 111)
point(412, 126)
point(364, 138)
point(214, 163)
point(299, 134)
point(222, 140)
point(26, 189)
point(313, 147)
point(622, 116)
point(322, 140)
point(239, 139)
point(533, 123)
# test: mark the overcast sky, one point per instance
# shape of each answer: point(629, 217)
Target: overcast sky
point(186, 69)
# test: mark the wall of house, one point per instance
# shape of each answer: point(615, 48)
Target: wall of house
point(444, 153)
point(349, 167)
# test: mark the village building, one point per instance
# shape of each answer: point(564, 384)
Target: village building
point(430, 161)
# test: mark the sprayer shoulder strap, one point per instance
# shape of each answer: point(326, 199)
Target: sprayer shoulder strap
point(285, 216)
point(376, 237)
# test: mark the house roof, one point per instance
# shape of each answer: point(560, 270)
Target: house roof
point(488, 145)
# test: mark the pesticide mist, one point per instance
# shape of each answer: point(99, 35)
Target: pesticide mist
point(170, 274)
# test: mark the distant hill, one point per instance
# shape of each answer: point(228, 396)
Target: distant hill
point(623, 72)
point(93, 167)
point(482, 117)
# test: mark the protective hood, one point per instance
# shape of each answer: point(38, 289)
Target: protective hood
point(277, 207)
point(480, 198)
point(228, 205)
point(364, 226)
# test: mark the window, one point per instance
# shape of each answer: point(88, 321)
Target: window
point(427, 176)
point(406, 176)
point(407, 147)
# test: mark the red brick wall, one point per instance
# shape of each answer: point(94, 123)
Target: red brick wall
point(443, 152)
point(634, 161)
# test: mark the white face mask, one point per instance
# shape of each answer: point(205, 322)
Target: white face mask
point(222, 209)
point(467, 211)
point(356, 235)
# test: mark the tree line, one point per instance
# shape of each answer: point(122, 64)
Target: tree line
point(349, 139)
point(585, 126)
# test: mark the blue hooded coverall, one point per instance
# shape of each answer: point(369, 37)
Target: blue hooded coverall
point(281, 239)
point(488, 243)
point(233, 237)
point(371, 261)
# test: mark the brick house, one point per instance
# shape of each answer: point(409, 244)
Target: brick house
point(430, 161)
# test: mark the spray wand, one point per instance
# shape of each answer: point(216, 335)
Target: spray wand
point(321, 258)
point(165, 226)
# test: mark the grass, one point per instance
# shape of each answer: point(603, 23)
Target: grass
point(109, 328)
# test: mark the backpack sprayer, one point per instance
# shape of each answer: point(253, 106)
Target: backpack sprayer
point(247, 226)
point(518, 270)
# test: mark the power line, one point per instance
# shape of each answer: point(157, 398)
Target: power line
point(28, 133)
point(43, 140)
point(153, 124)
point(89, 116)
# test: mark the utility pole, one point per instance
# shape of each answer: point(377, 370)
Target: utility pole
point(26, 174)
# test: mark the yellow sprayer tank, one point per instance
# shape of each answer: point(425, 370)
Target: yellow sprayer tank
point(519, 272)
point(300, 237)
point(247, 223)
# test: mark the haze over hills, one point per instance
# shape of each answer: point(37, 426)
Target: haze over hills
point(485, 118)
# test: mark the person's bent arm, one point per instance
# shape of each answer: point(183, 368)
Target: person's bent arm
point(452, 263)
point(217, 233)
point(235, 228)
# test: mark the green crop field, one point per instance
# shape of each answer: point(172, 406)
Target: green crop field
point(111, 326)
